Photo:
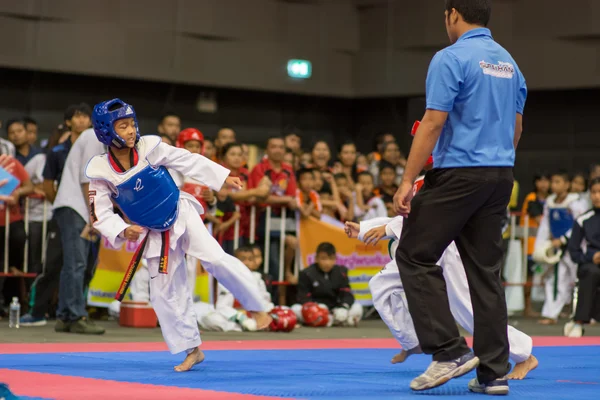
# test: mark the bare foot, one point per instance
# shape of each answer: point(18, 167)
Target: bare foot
point(547, 321)
point(530, 313)
point(195, 357)
point(263, 319)
point(521, 370)
point(403, 355)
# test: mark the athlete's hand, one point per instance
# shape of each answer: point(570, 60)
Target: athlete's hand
point(352, 229)
point(402, 198)
point(133, 233)
point(375, 235)
point(234, 182)
point(596, 258)
point(556, 243)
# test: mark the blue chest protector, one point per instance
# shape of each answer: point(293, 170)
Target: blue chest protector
point(561, 220)
point(149, 198)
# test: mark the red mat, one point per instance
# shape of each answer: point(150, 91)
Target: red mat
point(29, 348)
point(75, 388)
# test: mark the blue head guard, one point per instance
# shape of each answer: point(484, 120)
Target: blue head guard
point(104, 119)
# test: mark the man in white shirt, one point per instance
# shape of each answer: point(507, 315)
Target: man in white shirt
point(72, 215)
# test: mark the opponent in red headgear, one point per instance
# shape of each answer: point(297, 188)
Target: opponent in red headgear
point(190, 134)
point(314, 315)
point(429, 163)
point(284, 319)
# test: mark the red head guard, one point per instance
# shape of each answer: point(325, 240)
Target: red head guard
point(190, 134)
point(314, 315)
point(412, 132)
point(284, 319)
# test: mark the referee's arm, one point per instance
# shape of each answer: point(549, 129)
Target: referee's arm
point(521, 97)
point(423, 143)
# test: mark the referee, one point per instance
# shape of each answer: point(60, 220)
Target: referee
point(473, 122)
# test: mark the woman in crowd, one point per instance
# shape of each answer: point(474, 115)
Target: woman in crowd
point(236, 203)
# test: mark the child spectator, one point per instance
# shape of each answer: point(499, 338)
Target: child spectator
point(584, 248)
point(327, 284)
point(328, 192)
point(309, 203)
point(387, 186)
point(533, 206)
point(559, 214)
point(226, 303)
point(362, 164)
point(291, 158)
point(579, 183)
point(209, 149)
point(374, 207)
point(192, 140)
point(352, 201)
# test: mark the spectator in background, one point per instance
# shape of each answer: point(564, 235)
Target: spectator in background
point(169, 127)
point(560, 211)
point(362, 164)
point(584, 248)
point(391, 155)
point(291, 158)
point(209, 149)
point(330, 197)
point(585, 201)
point(306, 160)
point(309, 203)
point(321, 155)
point(387, 186)
point(16, 235)
point(346, 163)
point(224, 136)
point(374, 207)
point(533, 206)
point(32, 130)
point(233, 160)
point(327, 284)
point(292, 138)
point(282, 194)
point(380, 139)
point(18, 136)
point(39, 211)
point(6, 147)
point(58, 136)
point(352, 201)
point(579, 183)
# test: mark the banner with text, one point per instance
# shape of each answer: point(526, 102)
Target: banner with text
point(112, 264)
point(362, 261)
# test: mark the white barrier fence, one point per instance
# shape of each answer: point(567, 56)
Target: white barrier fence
point(27, 244)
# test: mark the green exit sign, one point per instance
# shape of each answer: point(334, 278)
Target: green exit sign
point(301, 69)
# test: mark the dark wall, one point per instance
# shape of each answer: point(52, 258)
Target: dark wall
point(561, 128)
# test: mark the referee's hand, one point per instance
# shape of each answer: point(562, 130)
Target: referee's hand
point(402, 198)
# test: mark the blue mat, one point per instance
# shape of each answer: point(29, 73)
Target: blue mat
point(564, 372)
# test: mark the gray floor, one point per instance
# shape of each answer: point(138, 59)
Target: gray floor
point(115, 333)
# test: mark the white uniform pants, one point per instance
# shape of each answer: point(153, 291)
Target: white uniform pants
point(170, 293)
point(390, 302)
point(567, 275)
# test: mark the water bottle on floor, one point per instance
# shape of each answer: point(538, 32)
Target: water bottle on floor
point(15, 313)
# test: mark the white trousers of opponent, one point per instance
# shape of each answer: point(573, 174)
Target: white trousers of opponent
point(390, 300)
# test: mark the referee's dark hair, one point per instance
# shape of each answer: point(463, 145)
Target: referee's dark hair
point(475, 12)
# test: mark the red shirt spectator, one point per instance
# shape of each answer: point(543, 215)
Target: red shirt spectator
point(283, 189)
point(15, 210)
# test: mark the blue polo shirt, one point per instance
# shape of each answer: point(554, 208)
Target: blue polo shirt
point(55, 161)
point(481, 87)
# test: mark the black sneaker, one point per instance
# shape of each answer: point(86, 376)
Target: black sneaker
point(497, 386)
point(86, 327)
